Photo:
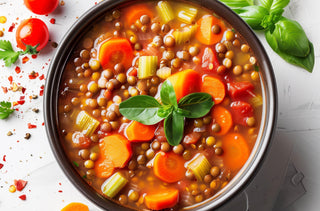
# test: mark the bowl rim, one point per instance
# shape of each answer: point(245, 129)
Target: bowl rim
point(54, 78)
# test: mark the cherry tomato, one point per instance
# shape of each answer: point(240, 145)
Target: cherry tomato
point(32, 31)
point(41, 7)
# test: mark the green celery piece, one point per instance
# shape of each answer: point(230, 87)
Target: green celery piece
point(200, 166)
point(147, 66)
point(86, 123)
point(184, 34)
point(187, 14)
point(114, 184)
point(165, 10)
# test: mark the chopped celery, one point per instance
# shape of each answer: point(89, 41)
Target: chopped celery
point(147, 66)
point(165, 11)
point(185, 34)
point(114, 184)
point(256, 101)
point(164, 72)
point(86, 123)
point(200, 166)
point(187, 14)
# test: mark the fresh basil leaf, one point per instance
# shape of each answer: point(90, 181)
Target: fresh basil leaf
point(304, 62)
point(269, 21)
point(237, 3)
point(167, 94)
point(291, 38)
point(253, 15)
point(5, 109)
point(274, 4)
point(183, 112)
point(165, 110)
point(173, 128)
point(6, 45)
point(199, 104)
point(141, 108)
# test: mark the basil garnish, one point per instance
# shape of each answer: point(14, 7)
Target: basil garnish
point(147, 110)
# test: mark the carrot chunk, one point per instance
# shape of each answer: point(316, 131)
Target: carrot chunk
point(236, 151)
point(204, 33)
point(104, 167)
point(132, 14)
point(162, 199)
point(223, 117)
point(215, 87)
point(185, 82)
point(75, 206)
point(169, 167)
point(137, 132)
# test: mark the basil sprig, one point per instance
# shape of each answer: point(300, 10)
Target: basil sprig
point(286, 37)
point(147, 110)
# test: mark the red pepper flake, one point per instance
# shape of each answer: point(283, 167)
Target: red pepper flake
point(34, 56)
point(42, 124)
point(60, 191)
point(4, 89)
point(23, 197)
point(41, 77)
point(31, 126)
point(17, 69)
point(1, 165)
point(23, 90)
point(25, 59)
point(33, 75)
point(41, 92)
point(4, 158)
point(10, 78)
point(21, 102)
point(52, 20)
point(20, 184)
point(11, 27)
point(22, 97)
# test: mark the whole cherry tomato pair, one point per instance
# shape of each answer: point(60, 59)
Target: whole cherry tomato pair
point(34, 31)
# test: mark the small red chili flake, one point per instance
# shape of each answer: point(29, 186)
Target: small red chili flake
point(33, 75)
point(60, 191)
point(52, 20)
point(10, 78)
point(4, 89)
point(41, 92)
point(11, 27)
point(23, 90)
point(21, 102)
point(25, 59)
point(41, 77)
point(31, 126)
point(42, 124)
point(17, 69)
point(20, 184)
point(34, 56)
point(4, 158)
point(23, 197)
point(1, 165)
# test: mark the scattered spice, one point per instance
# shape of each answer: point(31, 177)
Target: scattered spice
point(9, 133)
point(4, 158)
point(31, 126)
point(23, 197)
point(27, 136)
point(17, 69)
point(11, 27)
point(25, 59)
point(62, 3)
point(12, 189)
point(1, 33)
point(34, 56)
point(1, 165)
point(34, 97)
point(20, 184)
point(54, 44)
point(3, 19)
point(33, 75)
point(35, 110)
point(52, 21)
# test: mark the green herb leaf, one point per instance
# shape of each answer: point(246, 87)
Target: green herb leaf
point(253, 15)
point(237, 3)
point(272, 5)
point(5, 109)
point(142, 108)
point(165, 110)
point(173, 128)
point(199, 104)
point(168, 95)
point(304, 62)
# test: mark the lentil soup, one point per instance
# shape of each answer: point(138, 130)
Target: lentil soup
point(133, 51)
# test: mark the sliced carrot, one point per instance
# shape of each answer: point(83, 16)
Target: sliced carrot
point(116, 50)
point(117, 148)
point(137, 131)
point(185, 82)
point(215, 87)
point(236, 151)
point(75, 206)
point(223, 117)
point(104, 167)
point(162, 199)
point(169, 167)
point(133, 13)
point(204, 33)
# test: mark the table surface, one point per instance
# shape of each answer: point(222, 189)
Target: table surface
point(33, 161)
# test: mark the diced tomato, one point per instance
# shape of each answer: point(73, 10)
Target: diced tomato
point(23, 197)
point(192, 138)
point(210, 61)
point(20, 184)
point(160, 135)
point(241, 111)
point(239, 90)
point(80, 140)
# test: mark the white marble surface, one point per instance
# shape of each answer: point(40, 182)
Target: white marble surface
point(32, 160)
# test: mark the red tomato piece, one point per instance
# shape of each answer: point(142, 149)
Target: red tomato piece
point(192, 138)
point(241, 111)
point(160, 135)
point(80, 140)
point(238, 90)
point(210, 61)
point(41, 7)
point(32, 32)
point(20, 184)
